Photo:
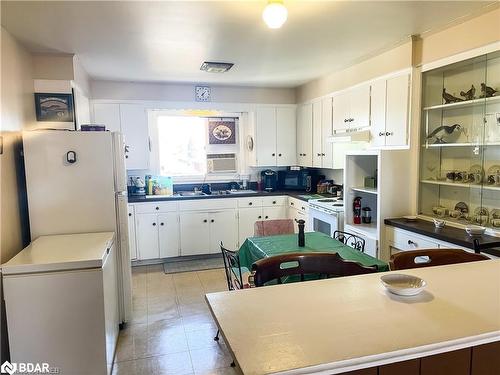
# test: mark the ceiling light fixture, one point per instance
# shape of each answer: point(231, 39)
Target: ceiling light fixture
point(275, 14)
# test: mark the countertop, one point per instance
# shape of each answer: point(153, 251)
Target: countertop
point(450, 234)
point(296, 194)
point(337, 325)
point(61, 252)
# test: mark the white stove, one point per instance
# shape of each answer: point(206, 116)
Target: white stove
point(326, 215)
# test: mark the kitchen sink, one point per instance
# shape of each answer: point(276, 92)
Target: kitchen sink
point(242, 192)
point(191, 193)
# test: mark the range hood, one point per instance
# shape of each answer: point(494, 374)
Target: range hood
point(355, 135)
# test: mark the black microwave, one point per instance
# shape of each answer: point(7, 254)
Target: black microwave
point(302, 180)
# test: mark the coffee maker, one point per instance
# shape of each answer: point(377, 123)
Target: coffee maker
point(269, 179)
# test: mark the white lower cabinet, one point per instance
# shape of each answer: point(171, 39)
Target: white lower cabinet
point(246, 222)
point(202, 232)
point(168, 234)
point(147, 236)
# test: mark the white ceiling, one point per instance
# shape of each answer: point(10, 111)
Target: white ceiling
point(168, 41)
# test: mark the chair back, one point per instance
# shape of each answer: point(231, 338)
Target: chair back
point(232, 268)
point(350, 240)
point(321, 265)
point(273, 227)
point(478, 246)
point(432, 257)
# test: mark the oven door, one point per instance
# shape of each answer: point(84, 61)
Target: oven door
point(322, 222)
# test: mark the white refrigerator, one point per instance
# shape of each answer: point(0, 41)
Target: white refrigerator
point(77, 183)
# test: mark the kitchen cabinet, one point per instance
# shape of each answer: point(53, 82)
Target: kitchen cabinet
point(134, 126)
point(305, 135)
point(317, 143)
point(298, 210)
point(275, 136)
point(131, 232)
point(351, 109)
point(326, 133)
point(202, 232)
point(107, 114)
point(246, 221)
point(390, 112)
point(147, 236)
point(168, 234)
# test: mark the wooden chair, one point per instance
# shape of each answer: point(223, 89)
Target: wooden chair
point(432, 257)
point(324, 265)
point(273, 227)
point(350, 239)
point(478, 247)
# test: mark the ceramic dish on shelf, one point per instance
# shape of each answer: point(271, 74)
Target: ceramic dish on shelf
point(403, 285)
point(438, 223)
point(493, 175)
point(474, 230)
point(410, 218)
point(476, 174)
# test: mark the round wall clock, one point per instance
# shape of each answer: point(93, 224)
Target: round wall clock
point(202, 93)
point(222, 132)
point(249, 143)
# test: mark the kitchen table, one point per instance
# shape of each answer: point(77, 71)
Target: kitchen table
point(255, 248)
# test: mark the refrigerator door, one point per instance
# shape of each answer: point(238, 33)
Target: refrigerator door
point(69, 181)
point(120, 170)
point(125, 269)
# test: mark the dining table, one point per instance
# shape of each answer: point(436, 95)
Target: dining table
point(255, 248)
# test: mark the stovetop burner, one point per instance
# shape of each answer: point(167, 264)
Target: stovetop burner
point(326, 200)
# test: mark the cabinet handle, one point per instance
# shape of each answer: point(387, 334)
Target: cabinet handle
point(274, 202)
point(129, 214)
point(161, 224)
point(260, 217)
point(410, 242)
point(279, 154)
point(387, 133)
point(351, 120)
point(303, 208)
point(157, 208)
point(345, 120)
point(273, 154)
point(154, 224)
point(323, 154)
point(380, 134)
point(212, 221)
point(126, 156)
point(291, 203)
point(250, 203)
point(319, 154)
point(304, 155)
point(205, 221)
point(267, 217)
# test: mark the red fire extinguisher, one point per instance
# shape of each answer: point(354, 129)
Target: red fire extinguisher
point(356, 208)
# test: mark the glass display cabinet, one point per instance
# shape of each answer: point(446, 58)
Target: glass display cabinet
point(460, 142)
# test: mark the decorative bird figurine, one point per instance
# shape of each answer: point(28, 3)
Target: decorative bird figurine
point(448, 98)
point(469, 95)
point(487, 92)
point(442, 131)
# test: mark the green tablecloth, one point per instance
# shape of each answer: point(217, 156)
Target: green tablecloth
point(255, 248)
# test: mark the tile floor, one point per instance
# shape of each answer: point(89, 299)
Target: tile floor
point(172, 331)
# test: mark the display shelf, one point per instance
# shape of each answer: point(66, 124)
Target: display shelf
point(365, 190)
point(458, 184)
point(464, 104)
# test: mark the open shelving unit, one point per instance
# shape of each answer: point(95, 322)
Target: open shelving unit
point(472, 150)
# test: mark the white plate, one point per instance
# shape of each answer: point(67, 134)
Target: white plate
point(475, 230)
point(410, 218)
point(403, 285)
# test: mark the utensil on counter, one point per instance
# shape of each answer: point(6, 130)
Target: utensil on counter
point(403, 285)
point(438, 223)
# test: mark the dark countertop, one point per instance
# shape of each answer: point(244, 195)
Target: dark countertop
point(291, 193)
point(449, 234)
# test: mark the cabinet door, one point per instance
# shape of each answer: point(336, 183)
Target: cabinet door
point(223, 227)
point(131, 232)
point(397, 111)
point(274, 213)
point(246, 221)
point(134, 125)
point(326, 133)
point(317, 143)
point(286, 136)
point(340, 108)
point(147, 236)
point(265, 141)
point(168, 234)
point(359, 104)
point(304, 136)
point(194, 229)
point(377, 121)
point(108, 115)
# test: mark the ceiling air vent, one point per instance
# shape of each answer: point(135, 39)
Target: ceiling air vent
point(216, 67)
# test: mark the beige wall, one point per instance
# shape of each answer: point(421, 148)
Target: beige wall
point(390, 61)
point(474, 33)
point(53, 66)
point(185, 92)
point(17, 111)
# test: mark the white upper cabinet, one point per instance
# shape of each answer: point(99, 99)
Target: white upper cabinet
point(275, 136)
point(351, 109)
point(134, 125)
point(265, 140)
point(286, 136)
point(390, 112)
point(317, 142)
point(326, 133)
point(107, 114)
point(304, 135)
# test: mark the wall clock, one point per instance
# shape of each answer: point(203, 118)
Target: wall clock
point(203, 93)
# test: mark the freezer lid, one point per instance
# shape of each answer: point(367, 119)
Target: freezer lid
point(61, 253)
